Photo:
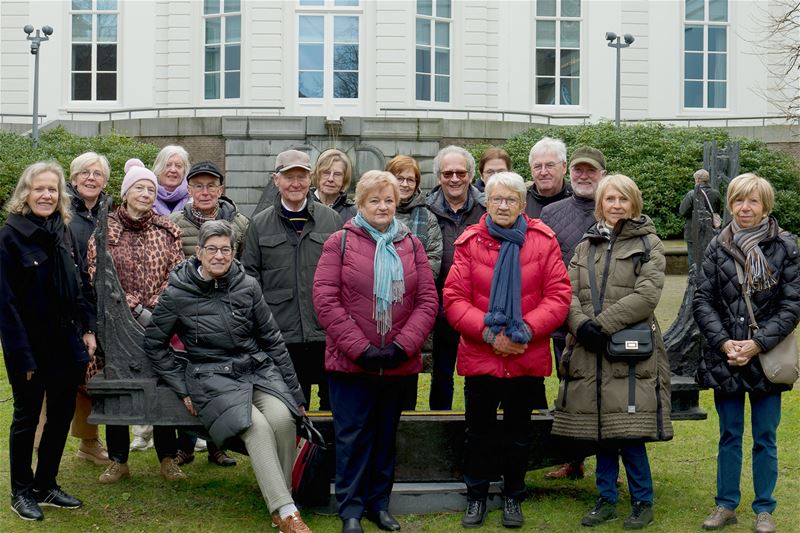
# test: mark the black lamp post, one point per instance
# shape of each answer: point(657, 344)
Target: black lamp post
point(615, 41)
point(36, 42)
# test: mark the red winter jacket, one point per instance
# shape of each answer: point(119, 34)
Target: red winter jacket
point(344, 302)
point(546, 295)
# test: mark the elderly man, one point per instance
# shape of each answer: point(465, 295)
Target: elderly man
point(711, 201)
point(456, 204)
point(548, 161)
point(569, 219)
point(282, 248)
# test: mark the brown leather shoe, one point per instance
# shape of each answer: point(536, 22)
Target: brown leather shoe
point(765, 523)
point(92, 450)
point(171, 471)
point(566, 471)
point(114, 472)
point(291, 524)
point(720, 518)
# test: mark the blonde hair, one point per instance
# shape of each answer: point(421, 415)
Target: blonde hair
point(626, 186)
point(400, 163)
point(163, 157)
point(18, 203)
point(326, 160)
point(375, 179)
point(744, 185)
point(84, 161)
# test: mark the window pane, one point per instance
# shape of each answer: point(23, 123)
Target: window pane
point(442, 88)
point(82, 86)
point(345, 84)
point(212, 86)
point(695, 10)
point(545, 8)
point(716, 39)
point(81, 57)
point(545, 90)
point(232, 58)
point(545, 33)
point(717, 67)
point(570, 8)
point(443, 8)
point(345, 57)
point(81, 4)
point(423, 31)
point(423, 87)
point(231, 85)
point(107, 28)
point(312, 2)
point(82, 28)
point(345, 29)
point(233, 29)
point(545, 62)
point(312, 29)
point(443, 34)
point(570, 63)
point(693, 94)
point(210, 7)
point(424, 7)
point(212, 59)
point(693, 38)
point(107, 86)
point(424, 60)
point(570, 34)
point(718, 10)
point(232, 6)
point(443, 62)
point(309, 85)
point(346, 3)
point(570, 91)
point(716, 94)
point(311, 57)
point(107, 5)
point(693, 66)
point(106, 57)
point(212, 31)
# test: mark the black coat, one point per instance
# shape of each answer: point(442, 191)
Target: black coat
point(232, 345)
point(721, 313)
point(34, 335)
point(535, 202)
point(84, 219)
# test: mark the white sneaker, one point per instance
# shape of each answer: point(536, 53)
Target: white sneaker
point(140, 444)
point(200, 446)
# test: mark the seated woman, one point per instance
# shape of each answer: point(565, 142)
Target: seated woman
point(627, 286)
point(239, 379)
point(376, 320)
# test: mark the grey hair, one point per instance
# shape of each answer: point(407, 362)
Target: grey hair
point(702, 175)
point(164, 155)
point(447, 150)
point(548, 145)
point(215, 228)
point(509, 180)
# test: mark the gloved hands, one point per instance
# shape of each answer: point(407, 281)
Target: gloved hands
point(374, 359)
point(393, 355)
point(501, 344)
point(591, 336)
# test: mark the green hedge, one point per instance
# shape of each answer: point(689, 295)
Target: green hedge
point(662, 160)
point(16, 153)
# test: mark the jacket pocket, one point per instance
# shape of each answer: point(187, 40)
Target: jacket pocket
point(278, 296)
point(271, 241)
point(34, 258)
point(318, 237)
point(644, 369)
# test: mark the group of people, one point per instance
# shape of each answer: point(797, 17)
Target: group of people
point(242, 316)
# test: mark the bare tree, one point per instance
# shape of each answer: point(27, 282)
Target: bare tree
point(781, 23)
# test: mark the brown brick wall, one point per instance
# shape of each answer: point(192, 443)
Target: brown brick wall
point(200, 148)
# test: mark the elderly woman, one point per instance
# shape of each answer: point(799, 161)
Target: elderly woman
point(493, 160)
point(506, 292)
point(46, 328)
point(145, 247)
point(752, 263)
point(376, 321)
point(171, 167)
point(330, 179)
point(239, 379)
point(617, 273)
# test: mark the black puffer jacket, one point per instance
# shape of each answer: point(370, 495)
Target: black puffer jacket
point(721, 313)
point(84, 219)
point(232, 345)
point(569, 218)
point(343, 205)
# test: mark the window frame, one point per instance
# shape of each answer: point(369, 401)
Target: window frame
point(432, 49)
point(221, 72)
point(706, 23)
point(557, 76)
point(93, 12)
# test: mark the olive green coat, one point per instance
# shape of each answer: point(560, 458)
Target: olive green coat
point(591, 382)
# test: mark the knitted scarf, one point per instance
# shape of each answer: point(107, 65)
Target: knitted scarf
point(134, 224)
point(388, 286)
point(201, 218)
point(170, 202)
point(505, 301)
point(757, 274)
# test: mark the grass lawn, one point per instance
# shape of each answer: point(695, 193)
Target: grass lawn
point(228, 500)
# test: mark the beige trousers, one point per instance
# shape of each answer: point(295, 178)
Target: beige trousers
point(80, 428)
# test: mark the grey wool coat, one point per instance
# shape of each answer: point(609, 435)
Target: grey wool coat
point(593, 396)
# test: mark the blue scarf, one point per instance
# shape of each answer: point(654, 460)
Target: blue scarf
point(505, 302)
point(388, 286)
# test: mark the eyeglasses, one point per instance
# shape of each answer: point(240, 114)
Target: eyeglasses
point(448, 174)
point(197, 187)
point(212, 250)
point(410, 181)
point(498, 201)
point(576, 171)
point(492, 171)
point(96, 174)
point(549, 166)
point(329, 173)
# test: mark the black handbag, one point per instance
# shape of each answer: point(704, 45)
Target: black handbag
point(632, 344)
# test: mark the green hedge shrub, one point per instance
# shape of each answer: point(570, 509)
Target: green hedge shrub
point(662, 159)
point(16, 153)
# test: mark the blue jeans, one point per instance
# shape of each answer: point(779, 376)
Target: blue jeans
point(637, 468)
point(765, 415)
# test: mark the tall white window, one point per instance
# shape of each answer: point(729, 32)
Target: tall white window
point(328, 49)
point(558, 52)
point(705, 54)
point(223, 49)
point(94, 49)
point(433, 50)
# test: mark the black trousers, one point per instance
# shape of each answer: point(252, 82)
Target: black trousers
point(118, 441)
point(309, 363)
point(61, 389)
point(366, 412)
point(187, 441)
point(489, 453)
point(445, 349)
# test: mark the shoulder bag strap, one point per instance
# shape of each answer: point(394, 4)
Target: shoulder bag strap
point(708, 202)
point(343, 242)
point(592, 283)
point(753, 324)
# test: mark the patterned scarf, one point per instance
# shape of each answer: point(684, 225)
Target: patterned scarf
point(388, 286)
point(757, 274)
point(134, 224)
point(202, 218)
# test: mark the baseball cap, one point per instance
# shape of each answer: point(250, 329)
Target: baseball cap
point(205, 167)
point(292, 159)
point(587, 154)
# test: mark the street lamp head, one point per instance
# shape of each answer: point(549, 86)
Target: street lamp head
point(28, 29)
point(628, 38)
point(610, 36)
point(48, 30)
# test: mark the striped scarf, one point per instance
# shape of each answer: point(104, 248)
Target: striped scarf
point(757, 274)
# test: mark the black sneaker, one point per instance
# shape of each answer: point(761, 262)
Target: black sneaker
point(603, 511)
point(512, 513)
point(56, 497)
point(641, 516)
point(475, 514)
point(26, 507)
